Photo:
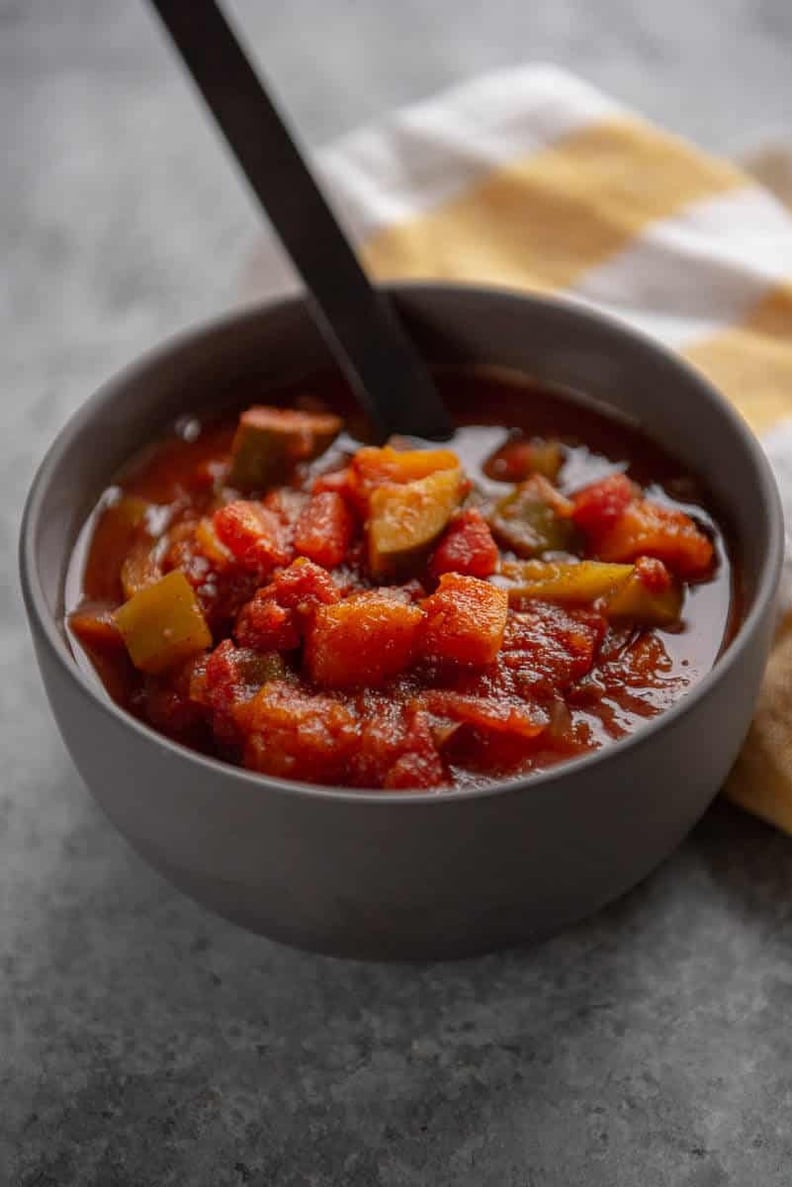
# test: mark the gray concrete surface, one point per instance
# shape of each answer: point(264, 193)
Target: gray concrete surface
point(143, 1042)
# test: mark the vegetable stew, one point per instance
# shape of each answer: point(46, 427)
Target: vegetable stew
point(273, 591)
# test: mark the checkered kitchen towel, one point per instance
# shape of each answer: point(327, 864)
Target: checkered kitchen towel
point(529, 178)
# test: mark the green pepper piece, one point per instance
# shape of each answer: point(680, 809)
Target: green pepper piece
point(534, 519)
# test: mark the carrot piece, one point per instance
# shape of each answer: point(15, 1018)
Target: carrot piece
point(467, 547)
point(324, 529)
point(362, 641)
point(254, 535)
point(466, 620)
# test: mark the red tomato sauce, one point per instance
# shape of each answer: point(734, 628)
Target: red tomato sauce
point(274, 592)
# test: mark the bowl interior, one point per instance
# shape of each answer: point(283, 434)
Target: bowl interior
point(547, 341)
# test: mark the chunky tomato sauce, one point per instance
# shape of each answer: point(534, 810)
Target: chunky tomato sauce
point(272, 591)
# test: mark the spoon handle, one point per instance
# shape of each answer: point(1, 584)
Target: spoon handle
point(358, 322)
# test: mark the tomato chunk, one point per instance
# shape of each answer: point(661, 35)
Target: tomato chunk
point(362, 641)
point(420, 766)
point(325, 529)
point(467, 547)
point(275, 618)
point(599, 505)
point(230, 677)
point(466, 620)
point(254, 535)
point(547, 648)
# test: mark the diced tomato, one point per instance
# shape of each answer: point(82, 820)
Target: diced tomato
point(324, 530)
point(275, 619)
point(266, 625)
point(547, 647)
point(297, 735)
point(466, 620)
point(646, 528)
point(420, 766)
point(364, 640)
point(169, 704)
point(230, 677)
point(340, 482)
point(467, 547)
point(598, 506)
point(653, 574)
point(303, 586)
point(253, 534)
point(222, 593)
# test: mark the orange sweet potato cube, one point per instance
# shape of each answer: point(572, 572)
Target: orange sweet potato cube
point(373, 467)
point(465, 622)
point(362, 641)
point(646, 528)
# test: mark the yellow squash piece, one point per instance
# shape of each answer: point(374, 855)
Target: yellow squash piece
point(634, 601)
point(562, 581)
point(163, 624)
point(619, 589)
point(406, 519)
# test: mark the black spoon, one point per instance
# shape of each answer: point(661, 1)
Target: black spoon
point(358, 322)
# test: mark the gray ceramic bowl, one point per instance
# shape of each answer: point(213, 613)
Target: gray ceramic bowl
point(426, 875)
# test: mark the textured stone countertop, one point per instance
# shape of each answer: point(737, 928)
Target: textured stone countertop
point(143, 1042)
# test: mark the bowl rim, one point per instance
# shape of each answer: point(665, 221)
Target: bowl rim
point(44, 626)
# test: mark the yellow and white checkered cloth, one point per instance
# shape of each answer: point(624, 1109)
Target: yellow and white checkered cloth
point(531, 179)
